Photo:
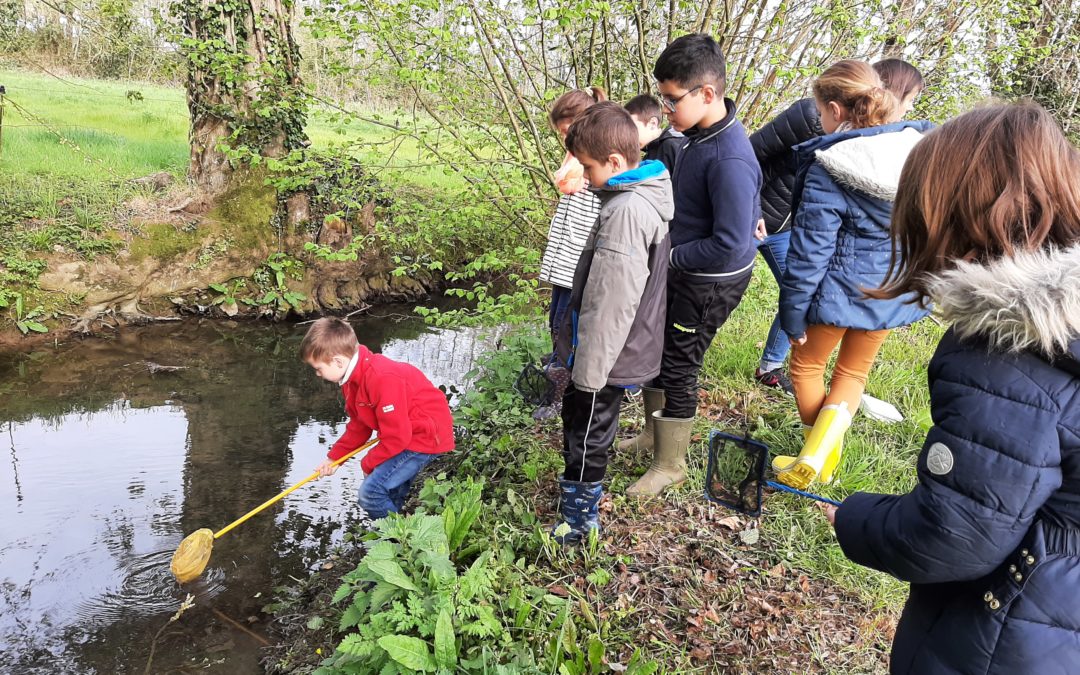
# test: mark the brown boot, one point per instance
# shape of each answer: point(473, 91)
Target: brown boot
point(653, 400)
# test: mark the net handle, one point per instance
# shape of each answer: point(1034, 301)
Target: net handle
point(802, 493)
point(244, 518)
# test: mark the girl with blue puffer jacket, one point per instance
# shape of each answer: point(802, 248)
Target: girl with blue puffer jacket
point(842, 202)
point(987, 226)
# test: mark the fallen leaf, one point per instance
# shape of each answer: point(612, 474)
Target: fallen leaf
point(750, 536)
point(731, 522)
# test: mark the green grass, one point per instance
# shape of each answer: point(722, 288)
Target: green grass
point(132, 137)
point(116, 137)
point(878, 457)
point(71, 146)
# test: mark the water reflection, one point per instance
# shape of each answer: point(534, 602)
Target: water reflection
point(112, 463)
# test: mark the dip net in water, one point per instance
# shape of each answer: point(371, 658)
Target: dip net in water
point(192, 556)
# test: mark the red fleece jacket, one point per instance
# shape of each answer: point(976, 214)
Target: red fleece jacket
point(400, 403)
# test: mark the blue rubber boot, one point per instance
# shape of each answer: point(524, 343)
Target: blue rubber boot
point(580, 506)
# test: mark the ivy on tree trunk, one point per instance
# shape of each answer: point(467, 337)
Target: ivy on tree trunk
point(244, 92)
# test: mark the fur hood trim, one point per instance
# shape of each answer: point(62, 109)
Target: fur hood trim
point(1027, 301)
point(870, 164)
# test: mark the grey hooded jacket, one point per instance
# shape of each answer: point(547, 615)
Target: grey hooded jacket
point(613, 332)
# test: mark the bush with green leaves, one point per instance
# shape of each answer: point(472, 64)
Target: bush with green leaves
point(491, 405)
point(434, 594)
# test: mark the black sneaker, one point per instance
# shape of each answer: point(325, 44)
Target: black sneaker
point(776, 379)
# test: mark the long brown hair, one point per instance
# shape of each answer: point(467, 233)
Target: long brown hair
point(993, 182)
point(857, 86)
point(899, 77)
point(571, 104)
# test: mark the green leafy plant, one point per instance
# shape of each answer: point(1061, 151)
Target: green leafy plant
point(25, 321)
point(272, 280)
point(227, 294)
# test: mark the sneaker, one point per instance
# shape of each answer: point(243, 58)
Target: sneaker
point(776, 379)
point(547, 412)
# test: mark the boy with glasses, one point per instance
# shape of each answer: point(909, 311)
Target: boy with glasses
point(716, 182)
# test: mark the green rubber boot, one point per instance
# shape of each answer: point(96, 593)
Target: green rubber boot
point(668, 467)
point(653, 399)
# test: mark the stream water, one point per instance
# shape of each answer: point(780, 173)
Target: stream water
point(111, 461)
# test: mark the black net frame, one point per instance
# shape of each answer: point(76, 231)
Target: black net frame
point(729, 453)
point(534, 386)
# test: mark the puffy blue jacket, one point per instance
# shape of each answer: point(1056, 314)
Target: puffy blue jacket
point(990, 536)
point(840, 244)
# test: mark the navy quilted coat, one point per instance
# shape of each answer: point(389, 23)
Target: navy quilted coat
point(990, 536)
point(840, 243)
point(774, 145)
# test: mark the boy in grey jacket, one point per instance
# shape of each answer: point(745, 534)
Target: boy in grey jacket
point(613, 332)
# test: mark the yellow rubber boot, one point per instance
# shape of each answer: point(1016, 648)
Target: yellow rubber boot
point(821, 446)
point(653, 400)
point(781, 462)
point(829, 470)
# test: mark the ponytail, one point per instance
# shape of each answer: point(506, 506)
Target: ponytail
point(570, 105)
point(856, 86)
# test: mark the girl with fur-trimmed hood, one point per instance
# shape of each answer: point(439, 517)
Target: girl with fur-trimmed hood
point(987, 226)
point(842, 201)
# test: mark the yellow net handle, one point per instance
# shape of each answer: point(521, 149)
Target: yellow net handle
point(270, 501)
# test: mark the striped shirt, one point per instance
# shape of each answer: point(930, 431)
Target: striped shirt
point(574, 219)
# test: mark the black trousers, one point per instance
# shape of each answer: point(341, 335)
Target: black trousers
point(695, 311)
point(590, 421)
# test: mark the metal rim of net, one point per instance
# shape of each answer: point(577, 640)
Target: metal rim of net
point(747, 498)
point(533, 385)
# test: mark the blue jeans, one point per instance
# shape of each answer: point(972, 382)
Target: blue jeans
point(774, 249)
point(560, 300)
point(385, 490)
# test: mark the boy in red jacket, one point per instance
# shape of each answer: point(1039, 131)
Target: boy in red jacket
point(394, 399)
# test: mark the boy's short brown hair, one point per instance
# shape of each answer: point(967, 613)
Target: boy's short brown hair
point(602, 130)
point(328, 337)
point(645, 107)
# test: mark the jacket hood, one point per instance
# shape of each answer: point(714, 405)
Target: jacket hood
point(1023, 302)
point(865, 160)
point(649, 180)
point(870, 164)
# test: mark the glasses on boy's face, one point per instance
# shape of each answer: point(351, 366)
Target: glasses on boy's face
point(670, 103)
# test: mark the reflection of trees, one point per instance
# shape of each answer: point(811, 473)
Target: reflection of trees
point(244, 393)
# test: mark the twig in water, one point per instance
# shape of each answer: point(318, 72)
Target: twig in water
point(187, 604)
point(221, 615)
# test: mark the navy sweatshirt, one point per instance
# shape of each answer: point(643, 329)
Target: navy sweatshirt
point(716, 184)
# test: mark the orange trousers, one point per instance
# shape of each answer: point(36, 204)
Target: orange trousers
point(858, 349)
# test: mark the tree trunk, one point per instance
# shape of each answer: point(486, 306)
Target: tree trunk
point(243, 85)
